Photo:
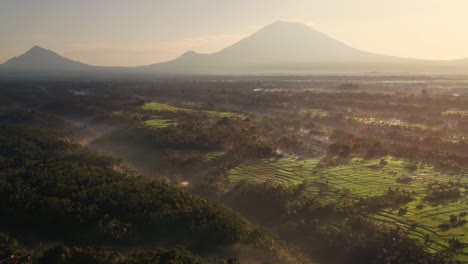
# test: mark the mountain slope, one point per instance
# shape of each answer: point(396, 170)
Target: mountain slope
point(282, 47)
point(279, 45)
point(286, 42)
point(40, 58)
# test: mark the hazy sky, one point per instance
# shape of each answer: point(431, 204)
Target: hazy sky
point(136, 32)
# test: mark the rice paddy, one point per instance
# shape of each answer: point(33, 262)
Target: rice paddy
point(363, 177)
point(366, 178)
point(159, 123)
point(161, 107)
point(158, 107)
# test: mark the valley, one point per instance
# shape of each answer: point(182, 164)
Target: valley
point(296, 169)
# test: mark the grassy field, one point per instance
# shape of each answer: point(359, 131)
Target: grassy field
point(160, 123)
point(370, 178)
point(158, 107)
point(161, 107)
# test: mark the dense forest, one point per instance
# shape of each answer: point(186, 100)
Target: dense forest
point(57, 190)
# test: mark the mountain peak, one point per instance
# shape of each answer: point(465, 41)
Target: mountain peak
point(39, 51)
point(289, 42)
point(282, 25)
point(40, 58)
point(280, 22)
point(37, 48)
point(189, 53)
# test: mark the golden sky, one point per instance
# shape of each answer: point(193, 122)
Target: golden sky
point(130, 32)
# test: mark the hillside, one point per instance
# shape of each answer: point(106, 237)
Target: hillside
point(40, 58)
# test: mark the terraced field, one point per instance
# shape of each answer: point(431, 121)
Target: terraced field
point(422, 221)
point(360, 177)
point(287, 171)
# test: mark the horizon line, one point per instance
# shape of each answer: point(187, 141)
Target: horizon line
point(258, 30)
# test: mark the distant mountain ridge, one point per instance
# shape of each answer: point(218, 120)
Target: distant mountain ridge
point(279, 44)
point(281, 47)
point(38, 57)
point(286, 43)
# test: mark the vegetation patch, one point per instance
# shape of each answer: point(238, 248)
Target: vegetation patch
point(153, 106)
point(455, 113)
point(160, 123)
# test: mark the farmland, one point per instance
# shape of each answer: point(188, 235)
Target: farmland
point(420, 218)
point(376, 171)
point(345, 148)
point(159, 107)
point(362, 177)
point(160, 123)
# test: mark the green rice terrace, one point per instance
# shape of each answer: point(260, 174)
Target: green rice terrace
point(422, 218)
point(160, 123)
point(159, 107)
